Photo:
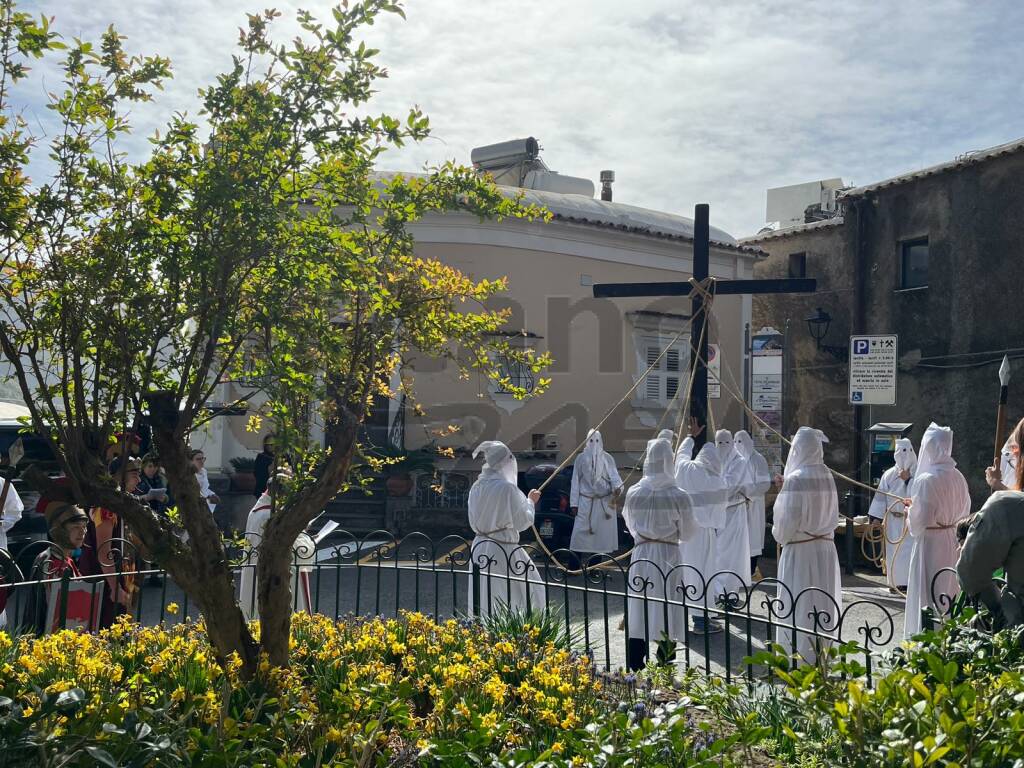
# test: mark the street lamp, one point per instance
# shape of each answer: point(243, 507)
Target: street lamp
point(817, 326)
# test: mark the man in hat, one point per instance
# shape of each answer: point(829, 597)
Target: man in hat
point(595, 483)
point(995, 540)
point(498, 512)
point(67, 525)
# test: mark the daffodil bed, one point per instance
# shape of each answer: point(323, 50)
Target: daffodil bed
point(407, 691)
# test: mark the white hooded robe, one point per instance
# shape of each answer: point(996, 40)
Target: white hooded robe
point(897, 544)
point(1008, 465)
point(701, 478)
point(498, 512)
point(659, 516)
point(733, 555)
point(757, 482)
point(806, 514)
point(940, 499)
point(594, 481)
point(303, 560)
point(9, 515)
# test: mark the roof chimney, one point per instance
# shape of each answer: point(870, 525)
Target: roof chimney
point(607, 177)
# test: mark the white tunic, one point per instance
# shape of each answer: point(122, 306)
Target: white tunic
point(940, 499)
point(757, 483)
point(304, 557)
point(498, 511)
point(11, 512)
point(658, 515)
point(203, 478)
point(9, 515)
point(806, 514)
point(897, 555)
point(701, 479)
point(733, 555)
point(594, 480)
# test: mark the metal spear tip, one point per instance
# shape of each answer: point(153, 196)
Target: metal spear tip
point(1004, 371)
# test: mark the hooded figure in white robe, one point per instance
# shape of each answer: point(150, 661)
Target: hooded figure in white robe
point(595, 481)
point(702, 479)
point(733, 555)
point(498, 512)
point(897, 481)
point(685, 451)
point(10, 514)
point(757, 482)
point(806, 514)
point(1008, 465)
point(939, 500)
point(659, 516)
point(303, 561)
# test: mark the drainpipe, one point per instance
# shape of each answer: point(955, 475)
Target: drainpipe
point(860, 284)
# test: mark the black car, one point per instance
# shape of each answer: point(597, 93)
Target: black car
point(554, 518)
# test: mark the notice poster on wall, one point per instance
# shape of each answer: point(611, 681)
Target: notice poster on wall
point(766, 395)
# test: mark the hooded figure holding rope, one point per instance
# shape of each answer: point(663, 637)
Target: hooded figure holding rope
point(896, 481)
point(498, 511)
point(733, 556)
point(701, 478)
point(595, 484)
point(659, 516)
point(806, 514)
point(756, 483)
point(939, 501)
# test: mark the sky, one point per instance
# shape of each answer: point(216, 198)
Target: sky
point(699, 101)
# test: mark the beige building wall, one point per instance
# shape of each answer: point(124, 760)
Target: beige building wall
point(551, 268)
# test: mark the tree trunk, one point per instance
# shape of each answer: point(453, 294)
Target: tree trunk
point(273, 567)
point(206, 574)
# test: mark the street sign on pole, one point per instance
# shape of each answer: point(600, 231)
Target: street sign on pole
point(873, 361)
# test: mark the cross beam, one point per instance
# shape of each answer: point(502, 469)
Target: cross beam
point(722, 288)
point(701, 269)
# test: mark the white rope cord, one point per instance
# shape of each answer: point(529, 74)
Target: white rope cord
point(708, 297)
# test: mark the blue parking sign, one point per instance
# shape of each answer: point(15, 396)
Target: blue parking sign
point(861, 346)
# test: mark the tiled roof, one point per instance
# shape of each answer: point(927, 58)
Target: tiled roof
point(963, 161)
point(797, 229)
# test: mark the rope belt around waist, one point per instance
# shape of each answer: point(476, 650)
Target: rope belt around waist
point(599, 496)
point(645, 540)
point(940, 527)
point(488, 534)
point(810, 538)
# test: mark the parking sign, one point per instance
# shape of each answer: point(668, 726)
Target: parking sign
point(873, 361)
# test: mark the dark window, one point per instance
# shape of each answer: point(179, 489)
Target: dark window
point(798, 265)
point(537, 441)
point(914, 264)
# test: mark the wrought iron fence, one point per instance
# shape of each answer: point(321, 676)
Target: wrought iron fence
point(600, 603)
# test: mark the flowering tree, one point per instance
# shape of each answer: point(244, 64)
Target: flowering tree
point(132, 288)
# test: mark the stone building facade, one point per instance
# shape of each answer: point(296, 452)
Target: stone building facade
point(934, 256)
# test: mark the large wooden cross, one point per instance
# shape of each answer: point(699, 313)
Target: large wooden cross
point(701, 270)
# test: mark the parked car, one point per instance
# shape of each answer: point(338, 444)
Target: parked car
point(554, 518)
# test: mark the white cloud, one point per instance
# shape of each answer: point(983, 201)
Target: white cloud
point(688, 102)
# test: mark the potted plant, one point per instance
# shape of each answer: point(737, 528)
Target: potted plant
point(243, 479)
point(400, 466)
